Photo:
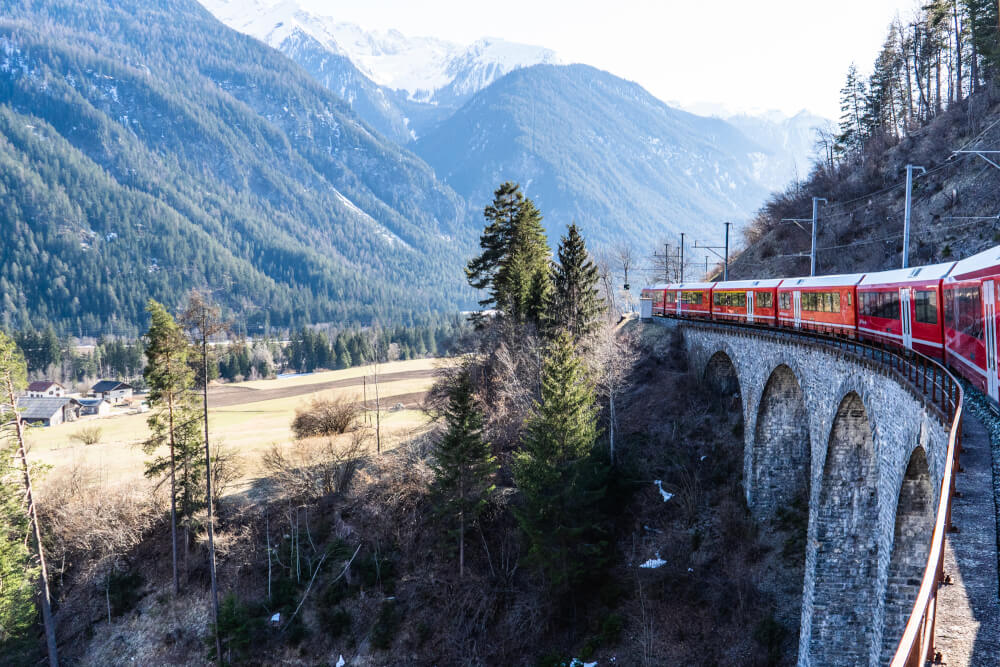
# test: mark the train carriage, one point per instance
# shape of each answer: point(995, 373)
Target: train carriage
point(689, 299)
point(904, 307)
point(656, 294)
point(752, 301)
point(970, 319)
point(820, 303)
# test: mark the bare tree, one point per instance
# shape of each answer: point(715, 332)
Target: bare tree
point(203, 320)
point(626, 260)
point(13, 374)
point(607, 283)
point(616, 352)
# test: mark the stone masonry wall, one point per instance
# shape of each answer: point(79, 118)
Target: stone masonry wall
point(858, 427)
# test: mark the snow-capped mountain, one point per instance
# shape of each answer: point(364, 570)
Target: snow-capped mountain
point(421, 67)
point(790, 141)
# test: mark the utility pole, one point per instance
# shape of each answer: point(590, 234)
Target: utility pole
point(812, 253)
point(723, 258)
point(682, 256)
point(725, 265)
point(666, 262)
point(906, 215)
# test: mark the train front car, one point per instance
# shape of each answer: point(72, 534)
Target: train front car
point(752, 301)
point(656, 294)
point(904, 308)
point(970, 319)
point(689, 299)
point(820, 303)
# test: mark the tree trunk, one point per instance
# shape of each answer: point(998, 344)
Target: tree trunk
point(958, 52)
point(173, 495)
point(46, 599)
point(208, 492)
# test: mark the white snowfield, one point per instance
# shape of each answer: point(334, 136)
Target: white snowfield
point(420, 66)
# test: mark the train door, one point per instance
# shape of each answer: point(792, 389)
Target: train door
point(990, 337)
point(797, 308)
point(678, 302)
point(750, 306)
point(904, 317)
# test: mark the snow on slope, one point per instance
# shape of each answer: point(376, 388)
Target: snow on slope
point(420, 66)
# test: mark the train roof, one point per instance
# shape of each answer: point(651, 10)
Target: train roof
point(748, 284)
point(691, 285)
point(657, 286)
point(912, 274)
point(838, 280)
point(985, 263)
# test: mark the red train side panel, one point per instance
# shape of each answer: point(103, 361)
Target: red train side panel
point(752, 301)
point(820, 303)
point(904, 307)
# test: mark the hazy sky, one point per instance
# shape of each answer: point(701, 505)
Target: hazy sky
point(775, 54)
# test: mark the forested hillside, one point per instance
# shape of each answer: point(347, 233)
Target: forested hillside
point(148, 149)
point(593, 148)
point(932, 92)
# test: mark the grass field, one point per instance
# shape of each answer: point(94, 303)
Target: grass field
point(247, 429)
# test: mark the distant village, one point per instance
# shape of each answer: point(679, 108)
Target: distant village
point(47, 403)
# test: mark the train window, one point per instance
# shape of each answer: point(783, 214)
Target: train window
point(693, 298)
point(925, 306)
point(671, 297)
point(730, 299)
point(765, 300)
point(784, 301)
point(969, 311)
point(823, 302)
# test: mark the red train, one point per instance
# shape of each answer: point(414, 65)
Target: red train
point(946, 311)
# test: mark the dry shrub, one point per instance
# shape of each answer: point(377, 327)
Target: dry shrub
point(310, 469)
point(91, 523)
point(324, 416)
point(88, 435)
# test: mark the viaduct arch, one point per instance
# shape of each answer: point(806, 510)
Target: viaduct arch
point(824, 425)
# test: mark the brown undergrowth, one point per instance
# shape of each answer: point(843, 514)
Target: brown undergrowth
point(353, 563)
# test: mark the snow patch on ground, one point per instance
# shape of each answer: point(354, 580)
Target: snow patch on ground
point(666, 494)
point(654, 563)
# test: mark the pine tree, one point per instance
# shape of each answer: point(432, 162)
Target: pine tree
point(463, 466)
point(13, 378)
point(170, 379)
point(574, 304)
point(514, 261)
point(560, 480)
point(343, 355)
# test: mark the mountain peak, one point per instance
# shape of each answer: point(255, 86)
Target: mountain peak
point(418, 66)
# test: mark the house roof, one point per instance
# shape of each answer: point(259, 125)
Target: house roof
point(42, 407)
point(109, 385)
point(90, 402)
point(42, 385)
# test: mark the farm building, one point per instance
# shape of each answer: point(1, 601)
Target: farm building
point(48, 411)
point(45, 389)
point(112, 391)
point(94, 406)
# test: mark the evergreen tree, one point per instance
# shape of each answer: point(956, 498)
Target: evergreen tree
point(463, 466)
point(21, 513)
point(574, 305)
point(850, 141)
point(560, 480)
point(514, 263)
point(343, 355)
point(170, 379)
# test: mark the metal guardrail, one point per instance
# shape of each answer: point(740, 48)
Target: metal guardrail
point(932, 383)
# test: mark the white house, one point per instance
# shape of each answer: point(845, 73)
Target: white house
point(94, 406)
point(112, 391)
point(45, 389)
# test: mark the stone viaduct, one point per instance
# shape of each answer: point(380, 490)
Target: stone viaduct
point(824, 424)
